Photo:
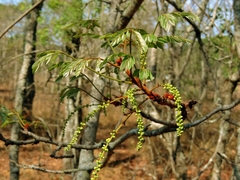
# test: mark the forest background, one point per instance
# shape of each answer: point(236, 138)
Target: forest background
point(199, 56)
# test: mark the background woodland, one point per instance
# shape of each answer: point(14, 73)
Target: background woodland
point(200, 57)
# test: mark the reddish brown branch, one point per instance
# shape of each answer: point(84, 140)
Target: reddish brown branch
point(167, 99)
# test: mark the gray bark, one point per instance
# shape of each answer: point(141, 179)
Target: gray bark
point(71, 105)
point(25, 88)
point(236, 77)
point(229, 88)
point(89, 135)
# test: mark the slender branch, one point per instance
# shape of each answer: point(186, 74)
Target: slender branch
point(38, 139)
point(93, 86)
point(18, 143)
point(81, 89)
point(8, 60)
point(53, 155)
point(85, 167)
point(212, 157)
point(221, 108)
point(20, 18)
point(149, 117)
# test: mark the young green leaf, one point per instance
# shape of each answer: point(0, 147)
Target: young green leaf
point(171, 19)
point(68, 92)
point(127, 63)
point(145, 74)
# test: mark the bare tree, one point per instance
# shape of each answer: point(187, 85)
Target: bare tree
point(25, 90)
point(234, 79)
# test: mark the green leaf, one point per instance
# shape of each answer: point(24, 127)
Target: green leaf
point(127, 62)
point(54, 66)
point(167, 20)
point(141, 41)
point(145, 74)
point(89, 24)
point(110, 58)
point(74, 67)
point(5, 123)
point(59, 78)
point(136, 72)
point(120, 38)
point(159, 44)
point(142, 31)
point(171, 19)
point(68, 25)
point(188, 15)
point(4, 113)
point(68, 92)
point(150, 38)
point(172, 39)
point(45, 57)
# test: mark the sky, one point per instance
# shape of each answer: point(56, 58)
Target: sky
point(9, 1)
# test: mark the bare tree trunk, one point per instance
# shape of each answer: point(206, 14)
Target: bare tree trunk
point(71, 105)
point(89, 134)
point(236, 77)
point(224, 127)
point(25, 90)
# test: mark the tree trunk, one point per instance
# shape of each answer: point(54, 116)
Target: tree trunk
point(236, 77)
point(71, 105)
point(89, 134)
point(25, 90)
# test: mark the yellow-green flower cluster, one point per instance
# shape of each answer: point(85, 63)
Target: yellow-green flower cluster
point(82, 124)
point(178, 102)
point(101, 157)
point(75, 136)
point(140, 124)
point(69, 117)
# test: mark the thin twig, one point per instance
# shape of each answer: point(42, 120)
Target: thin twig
point(20, 18)
point(211, 159)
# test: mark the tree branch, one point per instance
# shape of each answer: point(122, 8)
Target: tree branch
point(86, 167)
point(149, 117)
point(20, 18)
point(18, 143)
point(221, 108)
point(38, 139)
point(128, 13)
